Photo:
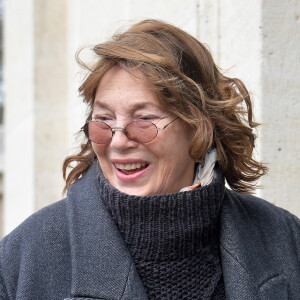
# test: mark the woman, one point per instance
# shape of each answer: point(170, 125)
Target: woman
point(147, 214)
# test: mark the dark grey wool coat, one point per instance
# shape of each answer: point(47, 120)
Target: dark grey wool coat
point(73, 250)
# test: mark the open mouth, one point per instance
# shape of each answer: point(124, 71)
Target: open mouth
point(129, 169)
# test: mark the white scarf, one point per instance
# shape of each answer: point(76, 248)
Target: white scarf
point(204, 171)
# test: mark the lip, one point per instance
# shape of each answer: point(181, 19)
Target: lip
point(128, 178)
point(128, 161)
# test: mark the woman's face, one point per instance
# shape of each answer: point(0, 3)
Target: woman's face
point(159, 167)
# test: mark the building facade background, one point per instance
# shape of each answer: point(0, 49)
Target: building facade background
point(257, 41)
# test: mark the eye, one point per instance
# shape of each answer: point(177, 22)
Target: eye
point(102, 118)
point(105, 118)
point(148, 118)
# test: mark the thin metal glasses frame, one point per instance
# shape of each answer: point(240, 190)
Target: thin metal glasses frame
point(85, 129)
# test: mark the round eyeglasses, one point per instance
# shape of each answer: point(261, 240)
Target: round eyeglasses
point(139, 131)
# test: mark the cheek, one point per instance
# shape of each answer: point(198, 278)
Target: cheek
point(174, 148)
point(99, 149)
point(103, 159)
point(174, 152)
point(166, 153)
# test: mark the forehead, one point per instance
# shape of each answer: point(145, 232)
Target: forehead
point(117, 77)
point(117, 87)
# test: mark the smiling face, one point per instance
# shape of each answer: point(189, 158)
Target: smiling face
point(159, 167)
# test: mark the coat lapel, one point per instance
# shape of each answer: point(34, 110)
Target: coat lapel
point(101, 264)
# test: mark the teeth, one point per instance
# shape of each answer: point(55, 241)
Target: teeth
point(130, 166)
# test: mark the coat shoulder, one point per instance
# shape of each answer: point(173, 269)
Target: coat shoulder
point(40, 238)
point(48, 219)
point(251, 208)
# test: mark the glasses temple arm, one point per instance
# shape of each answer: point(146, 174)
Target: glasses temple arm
point(167, 124)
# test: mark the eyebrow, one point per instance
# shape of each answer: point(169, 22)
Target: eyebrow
point(135, 106)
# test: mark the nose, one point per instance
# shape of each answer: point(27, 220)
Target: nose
point(120, 140)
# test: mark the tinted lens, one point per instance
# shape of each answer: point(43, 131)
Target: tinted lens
point(99, 132)
point(141, 131)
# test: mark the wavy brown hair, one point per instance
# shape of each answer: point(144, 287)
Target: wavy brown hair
point(181, 71)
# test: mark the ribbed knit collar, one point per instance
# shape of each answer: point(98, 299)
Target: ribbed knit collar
point(166, 227)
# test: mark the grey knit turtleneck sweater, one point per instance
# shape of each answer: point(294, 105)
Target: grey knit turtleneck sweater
point(173, 239)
